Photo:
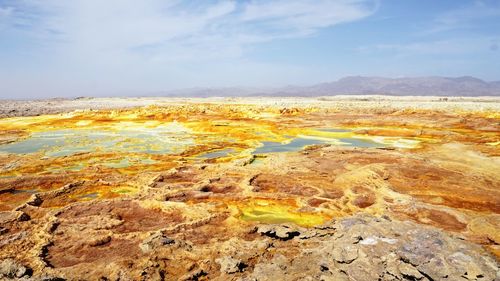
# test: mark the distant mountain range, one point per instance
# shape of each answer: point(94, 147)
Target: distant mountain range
point(359, 85)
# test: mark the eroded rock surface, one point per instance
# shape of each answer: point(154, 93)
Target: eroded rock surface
point(368, 248)
point(269, 190)
point(356, 248)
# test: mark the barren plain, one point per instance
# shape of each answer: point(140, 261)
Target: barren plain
point(333, 188)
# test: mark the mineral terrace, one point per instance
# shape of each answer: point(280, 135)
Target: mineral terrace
point(372, 188)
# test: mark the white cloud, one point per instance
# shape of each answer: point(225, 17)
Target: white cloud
point(104, 46)
point(440, 39)
point(468, 16)
point(157, 26)
point(5, 14)
point(306, 15)
point(453, 46)
point(5, 11)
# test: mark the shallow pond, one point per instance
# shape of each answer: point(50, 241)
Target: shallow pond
point(174, 138)
point(299, 143)
point(60, 143)
point(218, 153)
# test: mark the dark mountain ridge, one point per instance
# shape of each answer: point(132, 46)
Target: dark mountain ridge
point(361, 85)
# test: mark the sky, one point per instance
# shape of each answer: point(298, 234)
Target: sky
point(62, 48)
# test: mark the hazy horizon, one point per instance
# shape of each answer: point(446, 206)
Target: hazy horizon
point(57, 48)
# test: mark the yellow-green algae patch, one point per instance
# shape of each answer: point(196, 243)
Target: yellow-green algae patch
point(274, 212)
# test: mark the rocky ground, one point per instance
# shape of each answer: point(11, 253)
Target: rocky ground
point(12, 108)
point(430, 211)
point(354, 248)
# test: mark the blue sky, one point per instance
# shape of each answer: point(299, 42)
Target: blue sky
point(121, 47)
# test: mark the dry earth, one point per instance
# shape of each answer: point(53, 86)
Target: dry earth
point(372, 188)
